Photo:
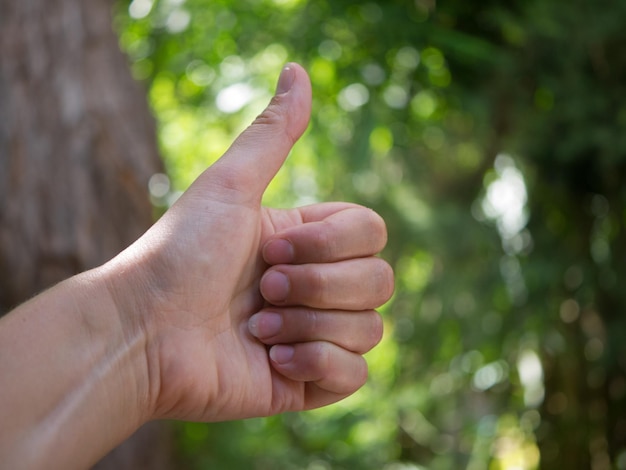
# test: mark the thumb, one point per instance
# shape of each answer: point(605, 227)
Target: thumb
point(257, 154)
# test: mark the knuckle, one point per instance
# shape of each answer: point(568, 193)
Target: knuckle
point(378, 229)
point(372, 333)
point(312, 322)
point(377, 329)
point(275, 118)
point(227, 181)
point(319, 285)
point(322, 357)
point(374, 225)
point(324, 244)
point(271, 115)
point(360, 374)
point(384, 280)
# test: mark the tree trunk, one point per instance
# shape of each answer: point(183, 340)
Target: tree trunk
point(77, 148)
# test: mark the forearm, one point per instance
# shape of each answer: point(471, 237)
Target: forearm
point(73, 377)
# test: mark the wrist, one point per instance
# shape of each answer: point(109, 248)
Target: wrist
point(73, 342)
point(116, 381)
point(126, 304)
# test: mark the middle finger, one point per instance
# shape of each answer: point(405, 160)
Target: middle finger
point(356, 284)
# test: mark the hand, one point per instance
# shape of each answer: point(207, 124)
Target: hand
point(249, 311)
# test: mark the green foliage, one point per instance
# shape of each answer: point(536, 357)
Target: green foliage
point(490, 137)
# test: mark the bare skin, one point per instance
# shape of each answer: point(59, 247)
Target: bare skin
point(223, 310)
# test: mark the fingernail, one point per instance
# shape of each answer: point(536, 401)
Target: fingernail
point(278, 251)
point(275, 286)
point(281, 353)
point(286, 79)
point(265, 324)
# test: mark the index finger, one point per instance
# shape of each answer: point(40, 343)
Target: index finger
point(328, 234)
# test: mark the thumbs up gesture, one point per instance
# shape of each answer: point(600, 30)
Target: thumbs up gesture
point(250, 311)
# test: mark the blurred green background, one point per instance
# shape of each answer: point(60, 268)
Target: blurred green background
point(491, 137)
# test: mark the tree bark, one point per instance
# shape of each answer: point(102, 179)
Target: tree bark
point(77, 148)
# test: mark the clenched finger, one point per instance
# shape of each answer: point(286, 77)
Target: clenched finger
point(344, 232)
point(330, 367)
point(355, 331)
point(355, 284)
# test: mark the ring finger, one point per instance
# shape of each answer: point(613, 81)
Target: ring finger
point(355, 331)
